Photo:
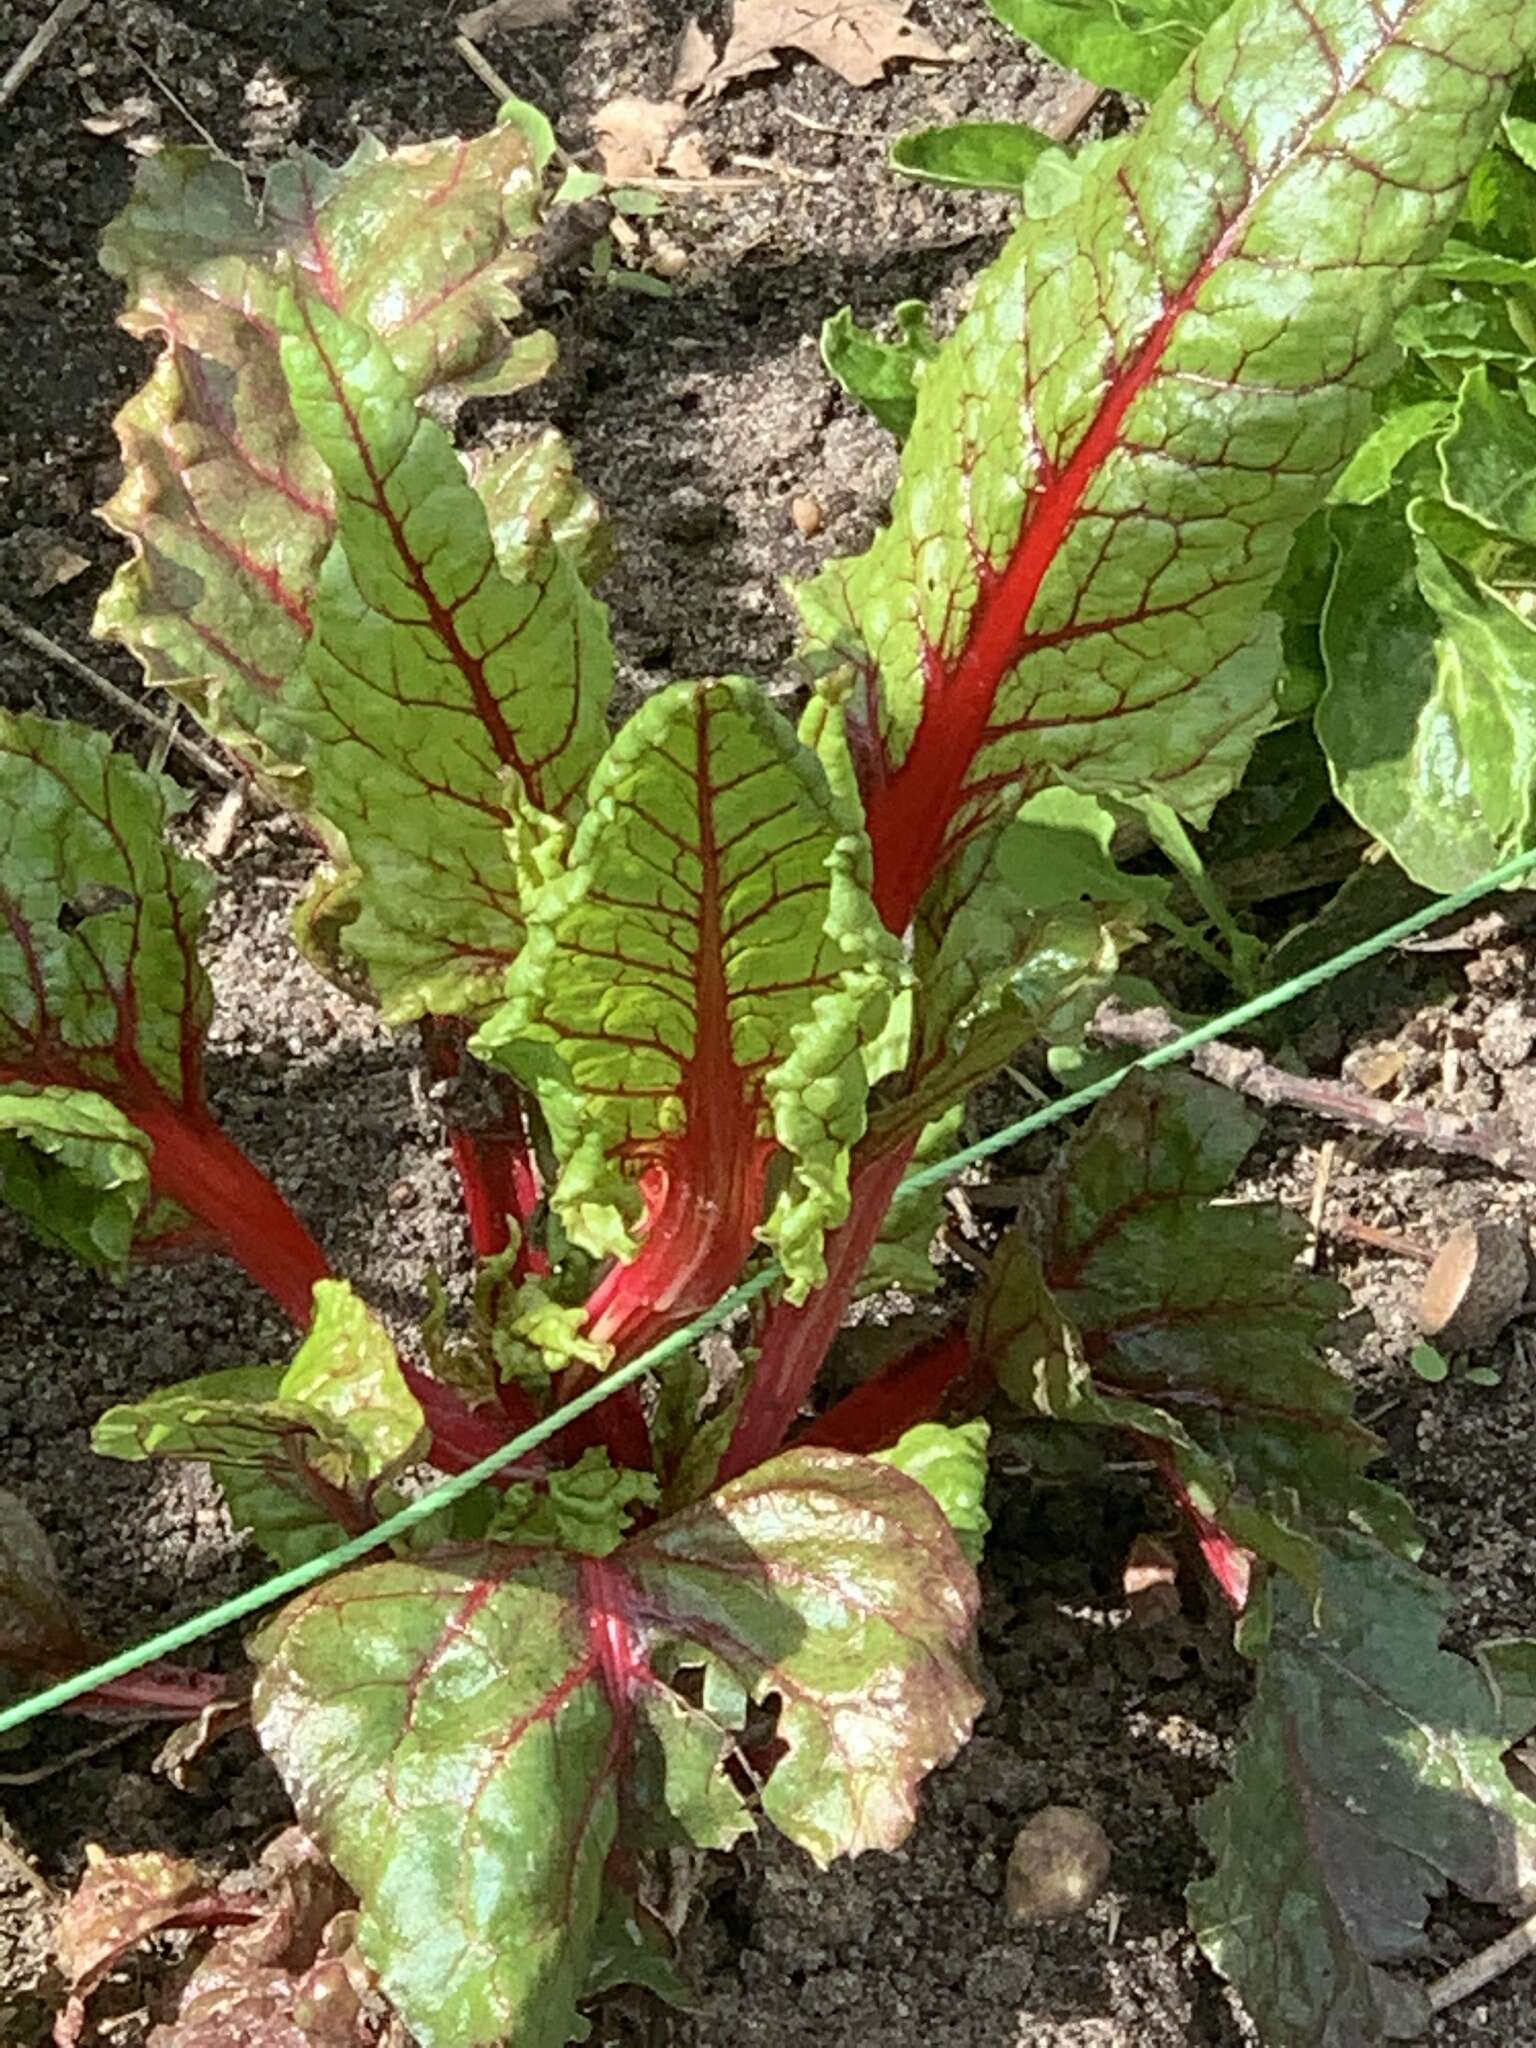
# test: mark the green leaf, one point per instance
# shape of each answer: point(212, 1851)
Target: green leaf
point(434, 688)
point(1135, 46)
point(881, 375)
point(1461, 329)
point(297, 1450)
point(76, 1169)
point(1369, 473)
point(1488, 459)
point(952, 1464)
point(518, 1721)
point(532, 496)
point(1429, 717)
point(1158, 382)
point(1019, 941)
point(989, 156)
point(903, 1252)
point(1149, 1306)
point(228, 507)
point(1370, 1776)
point(586, 1508)
point(700, 985)
point(1427, 1362)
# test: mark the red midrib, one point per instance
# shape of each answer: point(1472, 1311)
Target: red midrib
point(911, 811)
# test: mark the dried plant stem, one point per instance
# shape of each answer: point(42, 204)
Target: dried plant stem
point(40, 1772)
point(1247, 1072)
point(32, 52)
point(12, 1859)
point(164, 728)
point(1482, 1969)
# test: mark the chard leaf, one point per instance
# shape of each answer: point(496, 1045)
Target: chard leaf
point(296, 1449)
point(1019, 941)
point(1160, 379)
point(76, 1168)
point(1135, 46)
point(532, 496)
point(1370, 471)
point(699, 990)
point(1369, 1777)
point(586, 1508)
point(903, 1252)
point(229, 508)
point(881, 375)
point(1149, 1308)
point(1488, 459)
point(951, 1463)
point(1429, 715)
point(989, 156)
point(517, 1722)
point(433, 685)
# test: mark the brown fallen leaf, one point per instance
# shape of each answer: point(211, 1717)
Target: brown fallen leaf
point(637, 137)
point(855, 38)
point(693, 60)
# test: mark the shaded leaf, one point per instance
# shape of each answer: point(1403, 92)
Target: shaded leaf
point(1369, 1777)
point(882, 375)
point(39, 1631)
point(1488, 458)
point(228, 506)
point(432, 683)
point(537, 1684)
point(76, 1168)
point(1112, 454)
point(990, 156)
point(120, 1902)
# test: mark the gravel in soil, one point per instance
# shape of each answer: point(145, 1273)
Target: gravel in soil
point(708, 426)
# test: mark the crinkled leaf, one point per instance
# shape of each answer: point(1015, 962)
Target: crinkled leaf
point(1159, 380)
point(586, 1508)
point(516, 1701)
point(1019, 941)
point(532, 496)
point(120, 1902)
point(1369, 473)
point(951, 1462)
point(699, 988)
point(881, 375)
point(1463, 328)
point(433, 685)
point(75, 1167)
point(990, 156)
point(1133, 45)
point(39, 1632)
point(1370, 1777)
point(1429, 717)
point(903, 1252)
point(1150, 1307)
point(295, 1449)
point(229, 508)
point(1488, 459)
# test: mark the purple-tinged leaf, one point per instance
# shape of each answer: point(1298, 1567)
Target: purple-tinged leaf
point(473, 1736)
point(229, 510)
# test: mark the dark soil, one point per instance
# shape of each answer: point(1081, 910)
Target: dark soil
point(698, 419)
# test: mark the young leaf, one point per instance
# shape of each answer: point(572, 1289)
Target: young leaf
point(1149, 1308)
point(1135, 46)
point(952, 1464)
point(518, 1721)
point(990, 156)
point(103, 1007)
point(1112, 454)
point(229, 509)
point(432, 683)
point(1488, 458)
point(698, 992)
point(296, 1450)
point(1429, 715)
point(1370, 1776)
point(881, 375)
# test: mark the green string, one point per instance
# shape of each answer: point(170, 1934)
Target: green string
point(445, 1491)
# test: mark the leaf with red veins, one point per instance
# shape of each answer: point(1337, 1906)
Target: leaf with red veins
point(472, 1737)
point(1158, 382)
point(702, 989)
point(437, 693)
point(102, 996)
point(229, 511)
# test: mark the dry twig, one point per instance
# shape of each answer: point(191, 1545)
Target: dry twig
point(1247, 1072)
point(32, 53)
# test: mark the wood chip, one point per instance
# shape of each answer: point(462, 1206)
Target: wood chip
point(857, 39)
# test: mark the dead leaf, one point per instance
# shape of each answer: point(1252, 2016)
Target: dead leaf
point(505, 14)
point(637, 137)
point(855, 38)
point(56, 566)
point(129, 113)
point(1151, 1581)
point(693, 62)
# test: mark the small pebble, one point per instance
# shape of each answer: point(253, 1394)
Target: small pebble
point(807, 514)
point(1058, 1867)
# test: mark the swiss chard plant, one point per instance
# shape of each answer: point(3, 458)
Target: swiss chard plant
point(701, 990)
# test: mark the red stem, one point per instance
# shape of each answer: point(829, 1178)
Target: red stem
point(916, 1387)
point(197, 1165)
point(795, 1341)
point(496, 1168)
point(163, 1690)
